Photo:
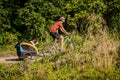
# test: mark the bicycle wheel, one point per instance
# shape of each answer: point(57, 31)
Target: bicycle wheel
point(48, 49)
point(27, 56)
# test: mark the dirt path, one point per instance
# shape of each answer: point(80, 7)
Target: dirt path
point(9, 59)
point(14, 59)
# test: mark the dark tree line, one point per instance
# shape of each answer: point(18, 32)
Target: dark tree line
point(28, 19)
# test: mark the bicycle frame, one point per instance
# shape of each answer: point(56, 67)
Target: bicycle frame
point(53, 46)
point(66, 39)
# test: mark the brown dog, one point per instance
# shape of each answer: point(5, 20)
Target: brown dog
point(34, 42)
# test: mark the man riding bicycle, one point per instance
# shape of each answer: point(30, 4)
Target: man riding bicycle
point(54, 30)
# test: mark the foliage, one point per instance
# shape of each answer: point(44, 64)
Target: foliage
point(34, 17)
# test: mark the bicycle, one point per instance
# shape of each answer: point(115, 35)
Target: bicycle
point(53, 46)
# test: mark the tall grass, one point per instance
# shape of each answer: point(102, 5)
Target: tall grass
point(7, 50)
point(98, 48)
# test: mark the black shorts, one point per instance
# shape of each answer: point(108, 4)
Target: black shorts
point(55, 35)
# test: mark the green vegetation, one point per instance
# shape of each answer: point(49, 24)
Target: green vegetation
point(96, 54)
point(68, 70)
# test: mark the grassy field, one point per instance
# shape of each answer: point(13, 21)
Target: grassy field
point(93, 58)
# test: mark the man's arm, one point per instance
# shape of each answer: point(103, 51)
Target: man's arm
point(64, 31)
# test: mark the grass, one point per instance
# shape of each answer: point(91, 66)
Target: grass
point(7, 50)
point(93, 60)
point(49, 70)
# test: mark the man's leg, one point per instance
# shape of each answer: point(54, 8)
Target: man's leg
point(61, 42)
point(58, 36)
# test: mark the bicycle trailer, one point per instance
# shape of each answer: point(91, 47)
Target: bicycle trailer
point(25, 50)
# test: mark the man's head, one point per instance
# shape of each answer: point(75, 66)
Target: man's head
point(62, 19)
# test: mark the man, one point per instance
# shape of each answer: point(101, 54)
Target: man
point(54, 30)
